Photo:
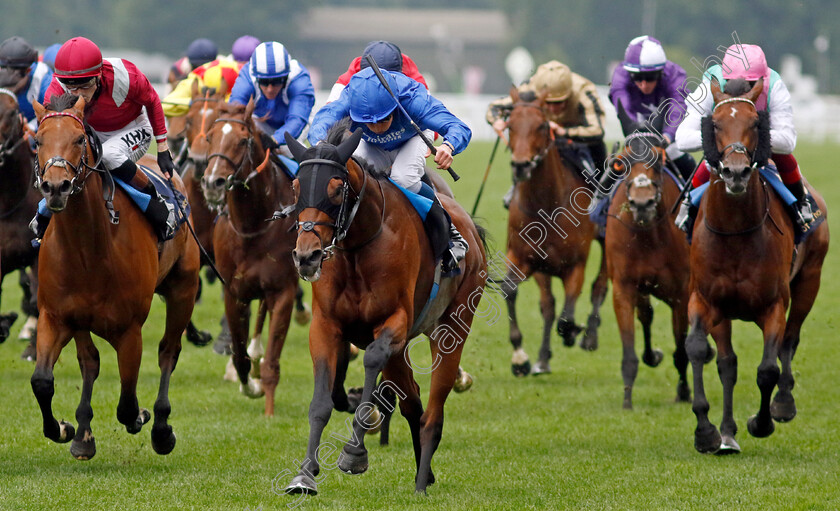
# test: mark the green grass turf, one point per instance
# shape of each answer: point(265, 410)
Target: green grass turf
point(559, 441)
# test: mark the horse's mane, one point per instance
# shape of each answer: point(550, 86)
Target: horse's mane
point(736, 87)
point(63, 102)
point(338, 132)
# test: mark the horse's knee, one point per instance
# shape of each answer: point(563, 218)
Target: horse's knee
point(696, 345)
point(43, 385)
point(377, 353)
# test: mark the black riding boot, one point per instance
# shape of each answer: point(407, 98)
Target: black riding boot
point(458, 245)
point(159, 213)
point(605, 184)
point(685, 164)
point(802, 213)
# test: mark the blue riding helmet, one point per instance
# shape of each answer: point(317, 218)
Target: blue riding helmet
point(201, 51)
point(270, 60)
point(387, 55)
point(369, 101)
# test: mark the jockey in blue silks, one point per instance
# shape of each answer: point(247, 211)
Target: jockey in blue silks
point(389, 141)
point(281, 88)
point(18, 59)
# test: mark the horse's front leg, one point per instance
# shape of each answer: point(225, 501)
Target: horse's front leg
point(773, 325)
point(679, 326)
point(706, 435)
point(520, 364)
point(324, 345)
point(388, 339)
point(129, 347)
point(651, 357)
point(280, 305)
point(727, 363)
point(238, 314)
point(624, 302)
point(599, 294)
point(84, 445)
point(547, 308)
point(572, 287)
point(52, 338)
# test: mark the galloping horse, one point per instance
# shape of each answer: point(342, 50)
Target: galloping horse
point(373, 274)
point(549, 233)
point(254, 255)
point(82, 257)
point(744, 266)
point(646, 253)
point(18, 203)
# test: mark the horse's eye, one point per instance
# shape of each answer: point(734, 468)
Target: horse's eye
point(80, 140)
point(715, 126)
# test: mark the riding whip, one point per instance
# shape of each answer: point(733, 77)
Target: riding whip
point(486, 173)
point(425, 139)
point(685, 188)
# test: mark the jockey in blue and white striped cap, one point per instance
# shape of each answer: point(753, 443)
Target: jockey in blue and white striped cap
point(281, 88)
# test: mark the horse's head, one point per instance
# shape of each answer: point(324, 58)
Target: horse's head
point(11, 125)
point(736, 137)
point(323, 200)
point(641, 162)
point(236, 152)
point(204, 110)
point(62, 145)
point(530, 134)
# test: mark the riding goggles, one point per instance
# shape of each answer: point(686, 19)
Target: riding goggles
point(647, 76)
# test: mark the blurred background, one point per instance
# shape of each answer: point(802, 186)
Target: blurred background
point(470, 51)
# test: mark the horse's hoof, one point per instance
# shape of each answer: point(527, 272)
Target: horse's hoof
point(29, 353)
point(653, 359)
point(29, 331)
point(6, 321)
point(304, 316)
point(84, 448)
point(199, 338)
point(683, 393)
point(569, 331)
point(66, 432)
point(710, 353)
point(590, 337)
point(230, 372)
point(707, 440)
point(302, 484)
point(253, 389)
point(521, 370)
point(223, 342)
point(463, 383)
point(541, 367)
point(728, 445)
point(142, 418)
point(759, 429)
point(627, 404)
point(353, 463)
point(163, 440)
point(783, 410)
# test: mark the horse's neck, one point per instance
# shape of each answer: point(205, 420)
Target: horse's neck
point(368, 218)
point(733, 213)
point(84, 222)
point(551, 182)
point(250, 205)
point(16, 174)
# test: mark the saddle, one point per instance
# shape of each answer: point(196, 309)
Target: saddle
point(176, 203)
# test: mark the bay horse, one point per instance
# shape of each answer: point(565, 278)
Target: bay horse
point(646, 253)
point(253, 255)
point(549, 234)
point(372, 272)
point(18, 203)
point(82, 256)
point(744, 266)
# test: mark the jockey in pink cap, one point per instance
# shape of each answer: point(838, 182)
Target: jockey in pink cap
point(747, 62)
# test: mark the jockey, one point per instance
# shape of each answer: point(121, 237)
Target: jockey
point(646, 83)
point(282, 90)
point(19, 61)
point(243, 48)
point(775, 98)
point(199, 52)
point(387, 56)
point(124, 112)
point(573, 110)
point(177, 102)
point(389, 141)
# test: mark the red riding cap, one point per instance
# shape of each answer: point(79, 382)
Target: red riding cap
point(78, 58)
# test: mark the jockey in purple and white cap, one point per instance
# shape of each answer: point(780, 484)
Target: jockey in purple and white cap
point(647, 82)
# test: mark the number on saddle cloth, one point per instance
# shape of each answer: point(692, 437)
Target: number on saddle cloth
point(435, 219)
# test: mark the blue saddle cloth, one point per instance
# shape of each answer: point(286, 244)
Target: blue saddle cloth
point(170, 195)
point(770, 174)
point(598, 215)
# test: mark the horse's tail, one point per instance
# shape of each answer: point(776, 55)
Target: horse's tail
point(493, 280)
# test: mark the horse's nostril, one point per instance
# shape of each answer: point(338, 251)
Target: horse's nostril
point(46, 188)
point(65, 187)
point(219, 183)
point(650, 203)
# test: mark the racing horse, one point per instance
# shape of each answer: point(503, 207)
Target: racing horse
point(549, 233)
point(83, 254)
point(254, 255)
point(18, 203)
point(646, 253)
point(744, 266)
point(373, 274)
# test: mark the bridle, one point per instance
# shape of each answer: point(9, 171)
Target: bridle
point(538, 158)
point(9, 145)
point(186, 154)
point(346, 214)
point(735, 147)
point(642, 179)
point(79, 177)
point(233, 180)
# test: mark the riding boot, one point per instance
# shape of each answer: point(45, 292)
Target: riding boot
point(685, 164)
point(686, 215)
point(605, 185)
point(508, 196)
point(802, 212)
point(159, 213)
point(458, 246)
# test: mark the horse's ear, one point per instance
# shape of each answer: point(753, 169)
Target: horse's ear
point(756, 91)
point(79, 106)
point(40, 110)
point(714, 85)
point(658, 122)
point(346, 148)
point(194, 91)
point(249, 108)
point(223, 88)
point(541, 95)
point(295, 147)
point(514, 93)
point(628, 125)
